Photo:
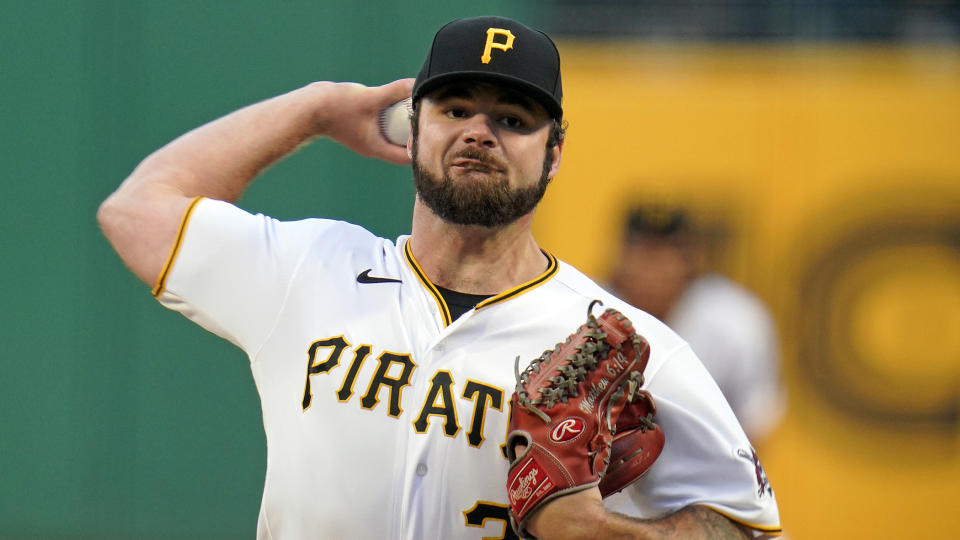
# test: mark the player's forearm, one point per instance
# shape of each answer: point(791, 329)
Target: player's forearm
point(582, 516)
point(220, 159)
point(695, 522)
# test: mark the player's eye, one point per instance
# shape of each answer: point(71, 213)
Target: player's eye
point(512, 122)
point(454, 112)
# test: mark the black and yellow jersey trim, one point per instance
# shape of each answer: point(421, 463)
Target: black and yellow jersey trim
point(551, 270)
point(162, 279)
point(444, 310)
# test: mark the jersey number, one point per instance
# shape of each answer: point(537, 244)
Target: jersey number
point(484, 510)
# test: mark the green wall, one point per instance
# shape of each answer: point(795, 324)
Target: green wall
point(121, 419)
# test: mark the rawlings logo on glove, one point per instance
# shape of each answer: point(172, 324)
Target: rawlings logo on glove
point(567, 430)
point(568, 407)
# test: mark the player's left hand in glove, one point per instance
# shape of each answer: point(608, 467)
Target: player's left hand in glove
point(565, 407)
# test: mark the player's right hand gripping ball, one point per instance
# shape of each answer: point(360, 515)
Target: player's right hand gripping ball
point(566, 409)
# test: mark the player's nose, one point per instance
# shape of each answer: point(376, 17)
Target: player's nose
point(478, 130)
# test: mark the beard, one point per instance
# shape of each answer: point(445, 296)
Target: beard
point(489, 203)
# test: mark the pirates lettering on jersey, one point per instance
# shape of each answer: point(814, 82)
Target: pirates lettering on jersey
point(439, 388)
point(359, 355)
point(486, 396)
point(503, 446)
point(394, 384)
point(338, 344)
point(380, 379)
point(393, 373)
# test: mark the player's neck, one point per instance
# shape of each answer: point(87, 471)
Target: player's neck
point(475, 260)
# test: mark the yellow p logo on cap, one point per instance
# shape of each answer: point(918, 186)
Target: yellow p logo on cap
point(491, 44)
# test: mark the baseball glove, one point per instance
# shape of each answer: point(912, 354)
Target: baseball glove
point(565, 408)
point(637, 443)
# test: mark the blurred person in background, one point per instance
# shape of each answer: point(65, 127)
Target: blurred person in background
point(664, 268)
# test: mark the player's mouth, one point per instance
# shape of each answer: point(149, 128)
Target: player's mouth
point(472, 162)
point(474, 165)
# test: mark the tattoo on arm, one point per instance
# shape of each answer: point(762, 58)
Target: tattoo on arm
point(715, 525)
point(697, 522)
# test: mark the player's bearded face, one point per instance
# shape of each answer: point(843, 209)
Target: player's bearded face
point(489, 203)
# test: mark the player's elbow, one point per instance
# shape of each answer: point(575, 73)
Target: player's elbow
point(141, 220)
point(105, 213)
point(109, 214)
point(123, 210)
point(120, 217)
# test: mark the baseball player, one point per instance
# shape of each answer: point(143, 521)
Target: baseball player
point(386, 368)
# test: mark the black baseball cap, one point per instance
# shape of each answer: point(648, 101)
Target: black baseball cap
point(494, 49)
point(656, 220)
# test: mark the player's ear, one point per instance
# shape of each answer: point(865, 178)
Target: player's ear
point(555, 152)
point(414, 125)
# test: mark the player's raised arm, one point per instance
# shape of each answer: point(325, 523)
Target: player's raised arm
point(219, 160)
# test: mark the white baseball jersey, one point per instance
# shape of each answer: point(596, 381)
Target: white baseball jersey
point(384, 419)
point(734, 335)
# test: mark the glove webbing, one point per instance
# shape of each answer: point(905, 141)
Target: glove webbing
point(573, 371)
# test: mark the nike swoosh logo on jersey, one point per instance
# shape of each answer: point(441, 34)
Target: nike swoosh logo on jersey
point(365, 277)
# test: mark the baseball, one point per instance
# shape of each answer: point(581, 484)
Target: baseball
point(395, 122)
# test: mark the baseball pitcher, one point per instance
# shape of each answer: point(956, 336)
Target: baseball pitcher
point(456, 382)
